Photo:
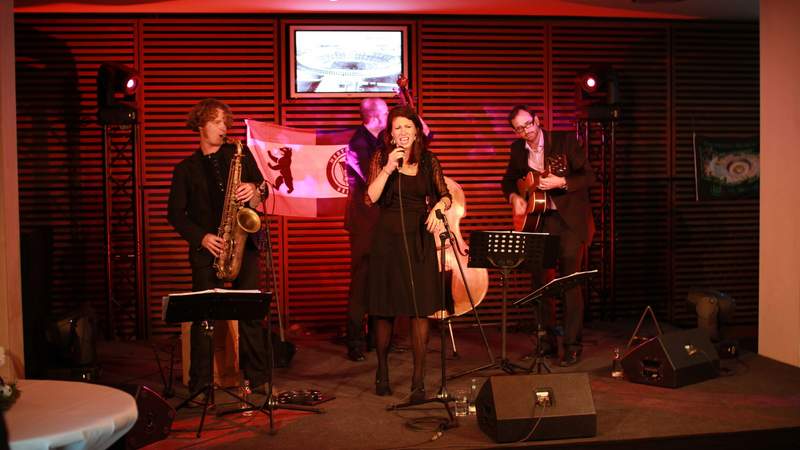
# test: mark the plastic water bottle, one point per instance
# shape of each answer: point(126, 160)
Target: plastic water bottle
point(616, 364)
point(473, 395)
point(247, 410)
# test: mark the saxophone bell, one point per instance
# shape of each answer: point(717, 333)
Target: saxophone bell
point(248, 220)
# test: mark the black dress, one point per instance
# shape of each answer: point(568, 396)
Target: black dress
point(394, 290)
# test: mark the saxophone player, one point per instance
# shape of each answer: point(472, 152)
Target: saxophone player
point(196, 201)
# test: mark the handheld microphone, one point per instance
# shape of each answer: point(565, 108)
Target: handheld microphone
point(439, 214)
point(400, 161)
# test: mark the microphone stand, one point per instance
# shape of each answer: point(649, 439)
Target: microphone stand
point(453, 245)
point(442, 396)
point(271, 403)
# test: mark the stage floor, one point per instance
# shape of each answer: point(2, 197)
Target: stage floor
point(755, 404)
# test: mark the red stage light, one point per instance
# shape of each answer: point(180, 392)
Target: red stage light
point(116, 94)
point(589, 82)
point(131, 85)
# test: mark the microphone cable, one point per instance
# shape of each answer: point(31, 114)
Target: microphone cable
point(405, 241)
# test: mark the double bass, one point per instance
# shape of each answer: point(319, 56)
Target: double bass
point(476, 278)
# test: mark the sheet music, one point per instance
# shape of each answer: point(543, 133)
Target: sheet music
point(218, 291)
point(557, 284)
point(219, 303)
point(567, 277)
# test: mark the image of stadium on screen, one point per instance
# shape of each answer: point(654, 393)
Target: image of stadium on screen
point(343, 62)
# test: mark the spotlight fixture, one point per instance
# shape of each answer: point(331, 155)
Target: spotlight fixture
point(589, 83)
point(597, 94)
point(117, 85)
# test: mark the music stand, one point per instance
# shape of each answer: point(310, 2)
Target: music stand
point(207, 307)
point(506, 250)
point(555, 288)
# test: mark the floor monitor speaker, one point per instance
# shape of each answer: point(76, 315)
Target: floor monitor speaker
point(155, 417)
point(536, 407)
point(672, 359)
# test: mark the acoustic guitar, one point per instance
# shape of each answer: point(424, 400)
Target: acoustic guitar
point(528, 189)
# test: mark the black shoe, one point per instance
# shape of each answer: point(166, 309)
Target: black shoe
point(355, 355)
point(570, 358)
point(418, 394)
point(382, 383)
point(382, 388)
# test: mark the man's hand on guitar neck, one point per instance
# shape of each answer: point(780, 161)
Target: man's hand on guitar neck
point(518, 204)
point(551, 182)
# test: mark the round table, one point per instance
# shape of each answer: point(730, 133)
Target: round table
point(68, 415)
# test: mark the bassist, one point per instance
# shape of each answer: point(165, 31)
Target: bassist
point(566, 176)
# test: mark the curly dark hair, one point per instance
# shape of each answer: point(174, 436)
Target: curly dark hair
point(420, 143)
point(205, 110)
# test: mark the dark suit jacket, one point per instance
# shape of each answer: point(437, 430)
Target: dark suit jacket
point(190, 209)
point(573, 203)
point(360, 219)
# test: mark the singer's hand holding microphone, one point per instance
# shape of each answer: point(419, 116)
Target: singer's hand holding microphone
point(395, 160)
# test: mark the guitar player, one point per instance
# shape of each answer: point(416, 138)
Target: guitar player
point(561, 183)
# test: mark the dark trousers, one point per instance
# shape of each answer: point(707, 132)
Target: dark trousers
point(358, 301)
point(252, 349)
point(570, 258)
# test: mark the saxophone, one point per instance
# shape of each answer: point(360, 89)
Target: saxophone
point(237, 221)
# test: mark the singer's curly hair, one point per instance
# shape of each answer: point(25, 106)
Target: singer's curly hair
point(205, 111)
point(420, 143)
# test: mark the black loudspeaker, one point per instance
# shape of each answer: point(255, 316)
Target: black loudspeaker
point(672, 360)
point(536, 407)
point(155, 417)
point(36, 248)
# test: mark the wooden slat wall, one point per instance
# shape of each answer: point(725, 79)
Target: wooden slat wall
point(467, 73)
point(639, 54)
point(60, 148)
point(715, 80)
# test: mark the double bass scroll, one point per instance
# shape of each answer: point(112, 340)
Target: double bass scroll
point(403, 93)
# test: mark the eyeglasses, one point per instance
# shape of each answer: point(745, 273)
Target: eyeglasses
point(521, 129)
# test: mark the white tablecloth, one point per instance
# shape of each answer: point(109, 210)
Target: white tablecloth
point(68, 415)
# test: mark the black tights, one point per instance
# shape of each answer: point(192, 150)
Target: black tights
point(419, 340)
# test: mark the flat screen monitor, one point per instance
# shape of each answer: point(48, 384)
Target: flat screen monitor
point(346, 61)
